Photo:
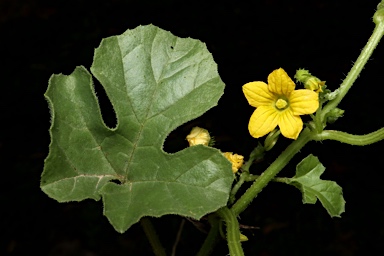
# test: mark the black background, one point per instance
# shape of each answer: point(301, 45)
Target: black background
point(248, 41)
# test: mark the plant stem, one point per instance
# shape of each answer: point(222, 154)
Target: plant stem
point(256, 154)
point(177, 240)
point(243, 177)
point(271, 172)
point(360, 62)
point(252, 177)
point(358, 140)
point(233, 231)
point(212, 237)
point(150, 232)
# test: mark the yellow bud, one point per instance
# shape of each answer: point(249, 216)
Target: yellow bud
point(314, 84)
point(198, 136)
point(310, 82)
point(235, 159)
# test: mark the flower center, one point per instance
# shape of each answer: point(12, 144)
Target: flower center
point(281, 104)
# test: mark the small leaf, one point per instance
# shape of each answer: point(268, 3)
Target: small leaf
point(155, 82)
point(307, 179)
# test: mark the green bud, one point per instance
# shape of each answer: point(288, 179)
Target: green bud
point(258, 153)
point(243, 238)
point(271, 139)
point(310, 82)
point(302, 75)
point(378, 17)
point(334, 114)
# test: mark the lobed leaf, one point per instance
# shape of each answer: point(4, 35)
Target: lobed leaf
point(307, 180)
point(155, 82)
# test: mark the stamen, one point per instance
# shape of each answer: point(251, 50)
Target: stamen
point(281, 104)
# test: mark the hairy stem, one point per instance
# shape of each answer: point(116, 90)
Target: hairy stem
point(358, 140)
point(253, 177)
point(360, 62)
point(233, 231)
point(237, 186)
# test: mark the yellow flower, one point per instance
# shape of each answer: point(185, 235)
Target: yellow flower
point(198, 136)
point(236, 160)
point(278, 104)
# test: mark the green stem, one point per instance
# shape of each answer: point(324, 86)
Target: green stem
point(233, 231)
point(237, 186)
point(271, 172)
point(212, 237)
point(358, 140)
point(253, 177)
point(256, 155)
point(360, 62)
point(150, 232)
point(319, 125)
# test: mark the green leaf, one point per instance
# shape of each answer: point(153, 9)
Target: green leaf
point(307, 179)
point(155, 82)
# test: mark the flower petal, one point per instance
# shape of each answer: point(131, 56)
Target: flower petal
point(304, 102)
point(290, 124)
point(257, 94)
point(279, 82)
point(263, 120)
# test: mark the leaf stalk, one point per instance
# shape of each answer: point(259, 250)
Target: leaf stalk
point(150, 232)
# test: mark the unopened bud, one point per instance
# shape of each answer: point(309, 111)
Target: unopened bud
point(314, 84)
point(198, 136)
point(334, 114)
point(310, 82)
point(271, 139)
point(243, 238)
point(235, 159)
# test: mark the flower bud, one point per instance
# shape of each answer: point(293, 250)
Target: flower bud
point(378, 17)
point(198, 136)
point(271, 139)
point(313, 83)
point(334, 114)
point(235, 159)
point(310, 82)
point(243, 238)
